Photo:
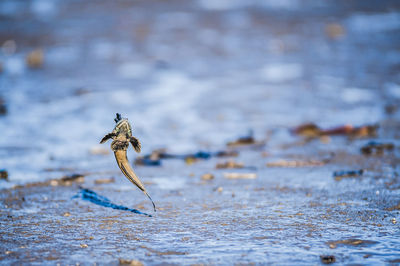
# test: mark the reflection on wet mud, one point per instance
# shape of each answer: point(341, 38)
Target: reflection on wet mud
point(89, 195)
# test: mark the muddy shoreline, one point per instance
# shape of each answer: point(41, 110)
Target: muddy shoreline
point(269, 216)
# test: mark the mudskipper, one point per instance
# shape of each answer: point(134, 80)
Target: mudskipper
point(122, 136)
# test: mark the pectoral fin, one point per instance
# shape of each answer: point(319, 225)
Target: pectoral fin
point(123, 163)
point(135, 143)
point(107, 137)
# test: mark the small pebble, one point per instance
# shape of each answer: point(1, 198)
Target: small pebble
point(104, 181)
point(207, 176)
point(334, 30)
point(240, 175)
point(35, 58)
point(3, 174)
point(130, 262)
point(327, 259)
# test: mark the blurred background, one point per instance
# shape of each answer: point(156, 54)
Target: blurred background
point(189, 75)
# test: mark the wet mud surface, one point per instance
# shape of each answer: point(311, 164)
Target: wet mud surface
point(269, 132)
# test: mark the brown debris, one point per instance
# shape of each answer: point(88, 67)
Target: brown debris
point(35, 58)
point(245, 141)
point(207, 176)
point(376, 148)
point(3, 174)
point(285, 163)
point(334, 30)
point(130, 262)
point(240, 175)
point(69, 179)
point(308, 130)
point(394, 208)
point(229, 164)
point(311, 130)
point(242, 141)
point(190, 160)
point(327, 259)
point(350, 242)
point(227, 154)
point(104, 181)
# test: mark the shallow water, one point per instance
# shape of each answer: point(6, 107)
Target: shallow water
point(191, 76)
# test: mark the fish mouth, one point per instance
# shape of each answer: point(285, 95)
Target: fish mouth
point(126, 169)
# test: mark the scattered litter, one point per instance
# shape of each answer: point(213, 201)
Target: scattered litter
point(308, 130)
point(229, 164)
point(240, 175)
point(226, 154)
point(104, 181)
point(35, 58)
point(69, 179)
point(339, 175)
point(207, 176)
point(285, 163)
point(376, 148)
point(3, 174)
point(219, 189)
point(155, 158)
point(394, 208)
point(64, 181)
point(350, 242)
point(130, 262)
point(327, 259)
point(334, 31)
point(311, 130)
point(245, 141)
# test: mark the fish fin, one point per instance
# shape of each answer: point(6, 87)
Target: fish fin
point(107, 137)
point(136, 144)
